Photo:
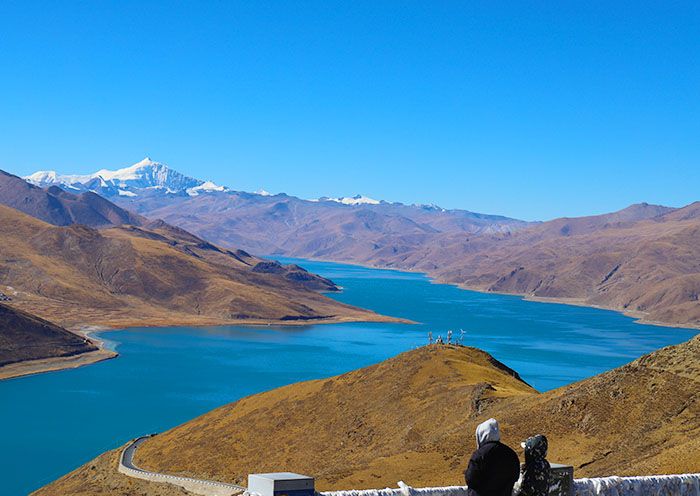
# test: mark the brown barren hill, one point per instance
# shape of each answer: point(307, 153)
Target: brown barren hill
point(160, 275)
point(649, 268)
point(413, 417)
point(26, 337)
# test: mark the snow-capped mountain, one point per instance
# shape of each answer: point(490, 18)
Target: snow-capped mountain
point(149, 179)
point(144, 176)
point(351, 200)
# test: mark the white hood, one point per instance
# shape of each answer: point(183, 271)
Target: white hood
point(487, 432)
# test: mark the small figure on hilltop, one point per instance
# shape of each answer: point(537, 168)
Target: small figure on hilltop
point(534, 473)
point(493, 467)
point(439, 340)
point(430, 337)
point(449, 336)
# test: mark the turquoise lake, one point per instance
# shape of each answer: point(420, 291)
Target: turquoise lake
point(51, 423)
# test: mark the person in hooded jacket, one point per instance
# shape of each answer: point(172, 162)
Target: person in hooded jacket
point(534, 473)
point(493, 467)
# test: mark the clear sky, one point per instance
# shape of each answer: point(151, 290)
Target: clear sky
point(528, 109)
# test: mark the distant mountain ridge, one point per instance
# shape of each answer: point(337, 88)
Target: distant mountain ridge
point(279, 224)
point(61, 208)
point(148, 177)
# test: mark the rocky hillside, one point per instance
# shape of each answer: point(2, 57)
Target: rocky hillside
point(26, 337)
point(412, 418)
point(154, 275)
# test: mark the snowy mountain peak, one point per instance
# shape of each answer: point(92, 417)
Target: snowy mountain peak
point(128, 181)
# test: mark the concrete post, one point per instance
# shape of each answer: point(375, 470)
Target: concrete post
point(561, 480)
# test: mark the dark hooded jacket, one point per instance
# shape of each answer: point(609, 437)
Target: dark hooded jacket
point(493, 467)
point(534, 479)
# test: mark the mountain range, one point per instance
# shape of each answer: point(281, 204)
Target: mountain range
point(640, 260)
point(372, 427)
point(273, 224)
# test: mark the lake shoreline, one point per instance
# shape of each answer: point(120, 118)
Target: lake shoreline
point(55, 364)
point(638, 316)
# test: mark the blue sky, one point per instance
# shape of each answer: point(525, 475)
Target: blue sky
point(528, 109)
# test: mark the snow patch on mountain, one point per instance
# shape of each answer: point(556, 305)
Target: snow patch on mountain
point(429, 206)
point(351, 200)
point(206, 187)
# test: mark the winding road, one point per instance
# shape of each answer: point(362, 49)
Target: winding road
point(197, 486)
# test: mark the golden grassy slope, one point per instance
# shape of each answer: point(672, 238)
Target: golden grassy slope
point(126, 275)
point(412, 418)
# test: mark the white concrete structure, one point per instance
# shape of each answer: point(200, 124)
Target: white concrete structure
point(655, 485)
point(280, 483)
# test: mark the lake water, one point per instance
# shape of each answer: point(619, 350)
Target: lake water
point(52, 423)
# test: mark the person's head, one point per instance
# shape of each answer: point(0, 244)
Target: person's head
point(487, 432)
point(535, 447)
